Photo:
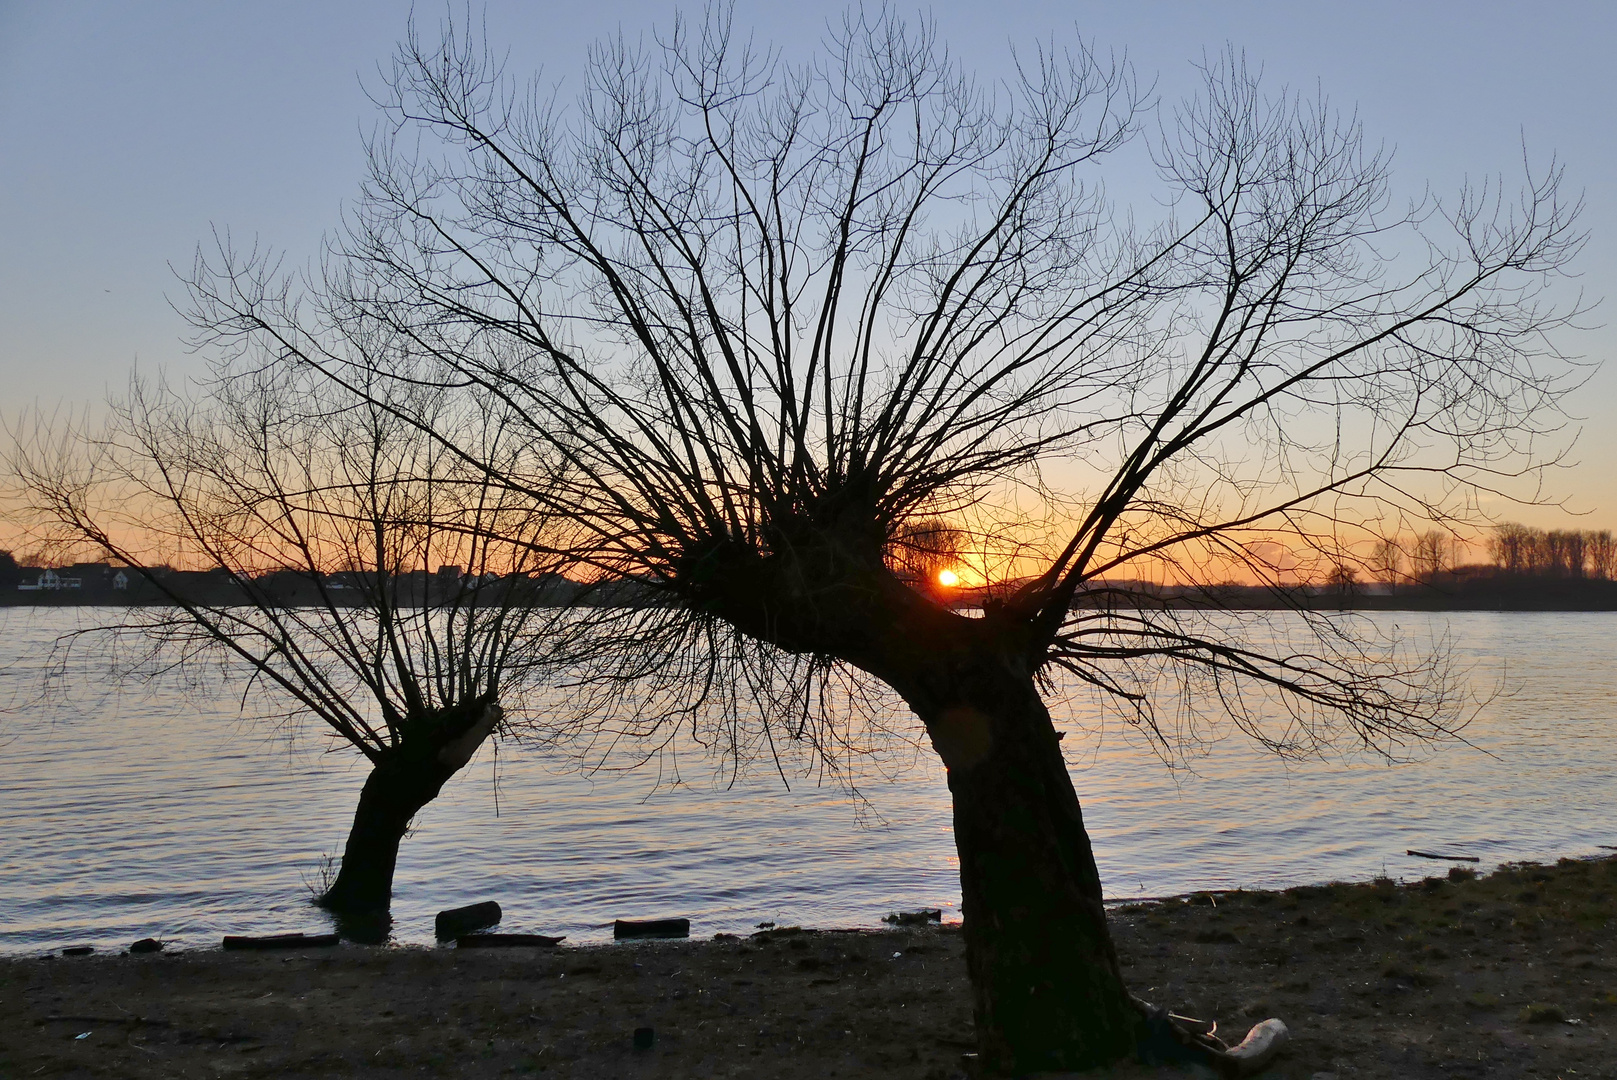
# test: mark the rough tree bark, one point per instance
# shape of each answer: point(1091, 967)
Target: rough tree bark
point(405, 778)
point(1047, 986)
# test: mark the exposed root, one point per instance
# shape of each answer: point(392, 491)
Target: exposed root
point(1261, 1045)
point(1170, 1039)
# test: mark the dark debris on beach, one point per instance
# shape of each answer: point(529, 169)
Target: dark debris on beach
point(1513, 974)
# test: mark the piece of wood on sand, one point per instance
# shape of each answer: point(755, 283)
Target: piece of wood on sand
point(298, 940)
point(507, 941)
point(651, 928)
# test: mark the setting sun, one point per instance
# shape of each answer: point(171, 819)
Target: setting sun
point(948, 578)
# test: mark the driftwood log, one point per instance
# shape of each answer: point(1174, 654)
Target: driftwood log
point(457, 922)
point(280, 941)
point(651, 928)
point(1442, 858)
point(507, 941)
point(915, 918)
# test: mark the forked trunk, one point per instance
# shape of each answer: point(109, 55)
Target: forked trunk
point(406, 778)
point(1048, 989)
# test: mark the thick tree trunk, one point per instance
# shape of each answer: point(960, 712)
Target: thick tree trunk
point(405, 779)
point(1048, 990)
point(1046, 984)
point(393, 793)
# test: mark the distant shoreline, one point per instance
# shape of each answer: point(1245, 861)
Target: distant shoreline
point(1322, 604)
point(1471, 588)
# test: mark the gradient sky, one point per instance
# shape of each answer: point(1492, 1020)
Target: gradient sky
point(128, 131)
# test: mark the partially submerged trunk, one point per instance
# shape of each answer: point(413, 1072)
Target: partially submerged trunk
point(405, 778)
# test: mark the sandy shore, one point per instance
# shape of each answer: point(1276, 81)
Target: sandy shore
point(1510, 975)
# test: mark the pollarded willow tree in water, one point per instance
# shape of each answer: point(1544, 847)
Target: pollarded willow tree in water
point(775, 316)
point(363, 575)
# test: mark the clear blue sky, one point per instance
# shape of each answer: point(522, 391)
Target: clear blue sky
point(129, 130)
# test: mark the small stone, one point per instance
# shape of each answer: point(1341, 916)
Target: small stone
point(78, 950)
point(914, 918)
point(146, 945)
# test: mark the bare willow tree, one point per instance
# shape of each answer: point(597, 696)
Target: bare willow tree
point(1387, 560)
point(1430, 554)
point(1602, 554)
point(325, 521)
point(776, 315)
point(1510, 547)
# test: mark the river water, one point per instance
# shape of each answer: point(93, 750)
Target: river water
point(151, 813)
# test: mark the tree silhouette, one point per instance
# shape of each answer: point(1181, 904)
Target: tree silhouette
point(1511, 548)
point(1556, 553)
point(775, 317)
point(1602, 554)
point(1387, 561)
point(1430, 555)
point(323, 516)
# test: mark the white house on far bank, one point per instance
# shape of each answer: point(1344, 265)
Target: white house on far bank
point(51, 581)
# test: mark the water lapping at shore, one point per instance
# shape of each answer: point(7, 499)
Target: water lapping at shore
point(153, 813)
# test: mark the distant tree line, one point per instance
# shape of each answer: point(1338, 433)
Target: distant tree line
point(101, 583)
point(1512, 549)
point(1421, 558)
point(1554, 553)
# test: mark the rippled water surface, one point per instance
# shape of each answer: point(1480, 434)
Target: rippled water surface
point(153, 814)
